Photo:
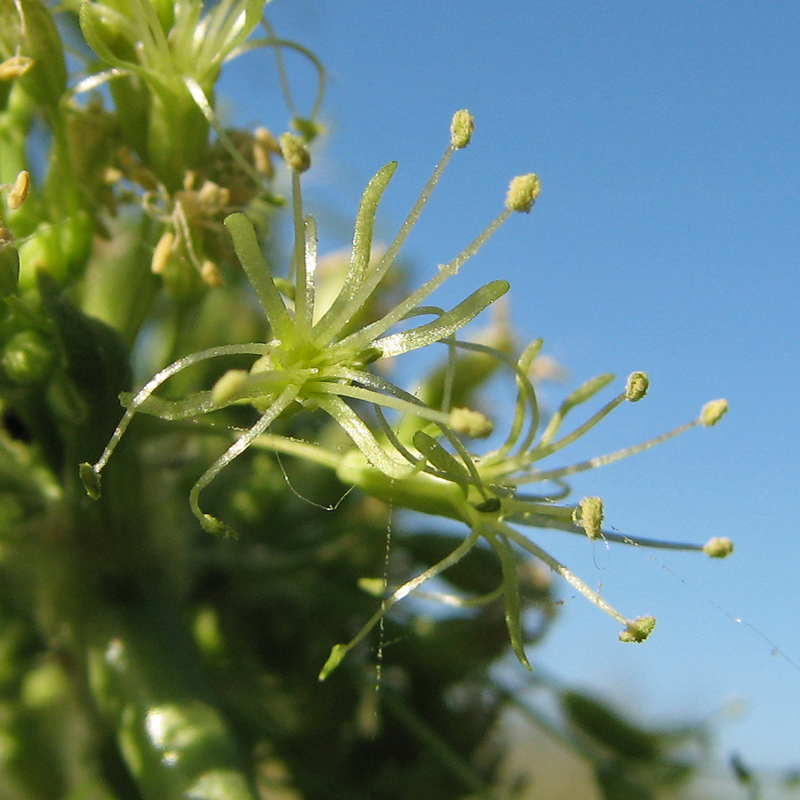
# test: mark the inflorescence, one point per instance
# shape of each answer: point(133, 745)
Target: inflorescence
point(422, 460)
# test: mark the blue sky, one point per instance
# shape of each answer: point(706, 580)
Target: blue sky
point(666, 239)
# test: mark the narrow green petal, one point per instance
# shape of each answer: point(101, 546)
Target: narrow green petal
point(363, 437)
point(352, 293)
point(255, 266)
point(508, 564)
point(438, 457)
point(445, 325)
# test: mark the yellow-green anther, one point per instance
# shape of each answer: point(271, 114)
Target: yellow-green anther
point(295, 153)
point(638, 384)
point(638, 630)
point(229, 386)
point(522, 192)
point(589, 515)
point(91, 480)
point(713, 412)
point(718, 547)
point(470, 423)
point(267, 140)
point(14, 67)
point(19, 189)
point(374, 586)
point(461, 129)
point(264, 146)
point(211, 275)
point(162, 253)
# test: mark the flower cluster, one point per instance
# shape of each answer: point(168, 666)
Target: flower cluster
point(418, 457)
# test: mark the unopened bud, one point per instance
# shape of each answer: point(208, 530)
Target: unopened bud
point(461, 129)
point(28, 358)
point(713, 412)
point(588, 514)
point(718, 547)
point(470, 423)
point(522, 192)
point(638, 384)
point(638, 630)
point(295, 153)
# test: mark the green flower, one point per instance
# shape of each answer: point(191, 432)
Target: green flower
point(314, 360)
point(175, 50)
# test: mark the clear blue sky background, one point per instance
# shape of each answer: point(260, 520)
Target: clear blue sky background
point(666, 239)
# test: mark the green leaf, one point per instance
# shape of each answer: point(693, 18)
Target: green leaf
point(95, 363)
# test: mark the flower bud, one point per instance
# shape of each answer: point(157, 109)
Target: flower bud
point(27, 29)
point(461, 129)
point(295, 153)
point(470, 423)
point(713, 412)
point(28, 357)
point(638, 384)
point(588, 514)
point(522, 192)
point(638, 630)
point(718, 547)
point(230, 386)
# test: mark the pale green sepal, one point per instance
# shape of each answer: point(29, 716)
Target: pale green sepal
point(93, 33)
